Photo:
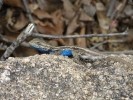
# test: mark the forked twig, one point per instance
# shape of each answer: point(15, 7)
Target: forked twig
point(23, 35)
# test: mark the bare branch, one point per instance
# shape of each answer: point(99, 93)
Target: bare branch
point(29, 14)
point(23, 35)
point(78, 36)
point(111, 7)
point(127, 52)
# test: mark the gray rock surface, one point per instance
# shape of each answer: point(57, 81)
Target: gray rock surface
point(50, 77)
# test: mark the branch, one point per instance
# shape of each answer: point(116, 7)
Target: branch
point(23, 35)
point(127, 52)
point(111, 7)
point(37, 35)
point(29, 14)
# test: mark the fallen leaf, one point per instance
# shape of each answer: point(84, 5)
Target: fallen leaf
point(102, 18)
point(41, 14)
point(14, 3)
point(55, 24)
point(81, 42)
point(73, 25)
point(16, 20)
point(86, 2)
point(68, 9)
point(90, 10)
point(33, 6)
point(85, 17)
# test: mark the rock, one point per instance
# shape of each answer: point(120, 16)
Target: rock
point(50, 77)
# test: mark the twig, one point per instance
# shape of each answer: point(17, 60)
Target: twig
point(111, 7)
point(118, 10)
point(29, 14)
point(127, 52)
point(2, 38)
point(23, 35)
point(78, 36)
point(107, 41)
point(3, 46)
point(1, 3)
point(41, 3)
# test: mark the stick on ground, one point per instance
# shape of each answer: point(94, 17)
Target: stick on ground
point(23, 35)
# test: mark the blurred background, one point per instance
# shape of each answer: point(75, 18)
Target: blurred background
point(69, 17)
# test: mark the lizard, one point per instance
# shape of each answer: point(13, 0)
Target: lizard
point(40, 44)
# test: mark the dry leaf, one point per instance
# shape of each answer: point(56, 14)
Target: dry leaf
point(128, 10)
point(54, 26)
point(17, 22)
point(85, 17)
point(68, 9)
point(21, 22)
point(102, 18)
point(50, 5)
point(89, 9)
point(86, 2)
point(73, 25)
point(33, 6)
point(81, 41)
point(14, 3)
point(41, 14)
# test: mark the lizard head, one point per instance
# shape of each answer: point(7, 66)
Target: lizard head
point(40, 45)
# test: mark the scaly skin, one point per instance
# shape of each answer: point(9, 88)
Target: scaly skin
point(39, 43)
point(78, 51)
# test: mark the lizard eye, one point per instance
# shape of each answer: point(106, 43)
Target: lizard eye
point(38, 42)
